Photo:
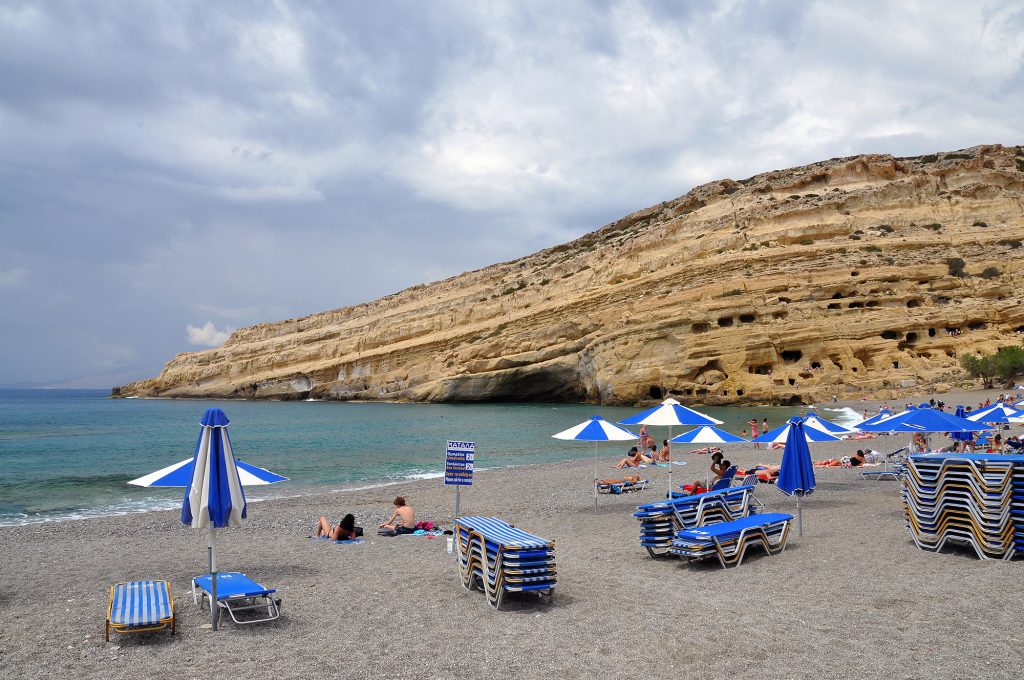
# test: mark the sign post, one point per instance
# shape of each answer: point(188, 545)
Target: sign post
point(458, 467)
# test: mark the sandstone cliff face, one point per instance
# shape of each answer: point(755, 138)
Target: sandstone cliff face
point(840, 277)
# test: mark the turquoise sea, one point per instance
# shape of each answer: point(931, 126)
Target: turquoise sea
point(67, 454)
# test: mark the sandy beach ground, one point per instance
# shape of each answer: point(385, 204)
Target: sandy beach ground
point(853, 598)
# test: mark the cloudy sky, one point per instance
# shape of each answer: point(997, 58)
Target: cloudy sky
point(172, 170)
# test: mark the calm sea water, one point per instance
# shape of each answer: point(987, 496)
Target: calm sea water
point(68, 454)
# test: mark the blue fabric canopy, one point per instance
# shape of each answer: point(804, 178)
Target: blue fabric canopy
point(996, 413)
point(708, 435)
point(796, 476)
point(924, 419)
point(670, 413)
point(782, 433)
point(882, 415)
point(597, 429)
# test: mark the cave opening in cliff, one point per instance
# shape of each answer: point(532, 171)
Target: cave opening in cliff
point(655, 392)
point(942, 300)
point(699, 327)
point(815, 365)
point(725, 321)
point(911, 338)
point(763, 369)
point(792, 382)
point(780, 315)
point(913, 303)
point(739, 393)
point(747, 318)
point(895, 364)
point(871, 303)
point(795, 400)
point(855, 305)
point(791, 355)
point(977, 326)
point(891, 335)
point(834, 305)
point(838, 295)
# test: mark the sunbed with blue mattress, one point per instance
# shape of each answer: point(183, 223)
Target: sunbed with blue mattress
point(728, 541)
point(237, 593)
point(139, 606)
point(660, 521)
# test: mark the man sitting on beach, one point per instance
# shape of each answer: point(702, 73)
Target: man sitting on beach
point(403, 521)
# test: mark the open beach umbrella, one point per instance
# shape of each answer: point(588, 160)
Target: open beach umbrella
point(796, 475)
point(815, 421)
point(781, 434)
point(180, 475)
point(996, 413)
point(597, 429)
point(882, 415)
point(924, 419)
point(670, 413)
point(707, 434)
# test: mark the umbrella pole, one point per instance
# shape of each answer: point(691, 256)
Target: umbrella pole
point(668, 460)
point(799, 516)
point(595, 477)
point(214, 609)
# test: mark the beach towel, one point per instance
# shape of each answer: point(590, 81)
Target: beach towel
point(351, 541)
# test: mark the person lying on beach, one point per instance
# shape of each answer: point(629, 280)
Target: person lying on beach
point(403, 520)
point(345, 531)
point(627, 478)
point(632, 459)
point(764, 472)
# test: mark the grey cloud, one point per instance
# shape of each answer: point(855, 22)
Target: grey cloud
point(166, 164)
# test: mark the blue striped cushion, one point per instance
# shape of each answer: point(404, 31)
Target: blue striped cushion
point(499, 532)
point(140, 603)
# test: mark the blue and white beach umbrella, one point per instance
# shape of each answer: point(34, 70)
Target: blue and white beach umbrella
point(781, 434)
point(670, 413)
point(924, 419)
point(996, 413)
point(708, 435)
point(882, 415)
point(796, 475)
point(213, 482)
point(820, 423)
point(597, 429)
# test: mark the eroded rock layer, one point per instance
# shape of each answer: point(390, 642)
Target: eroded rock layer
point(853, 275)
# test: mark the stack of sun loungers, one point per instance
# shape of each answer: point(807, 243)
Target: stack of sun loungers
point(661, 521)
point(500, 559)
point(728, 541)
point(975, 500)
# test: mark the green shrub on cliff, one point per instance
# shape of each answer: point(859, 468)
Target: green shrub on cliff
point(1006, 365)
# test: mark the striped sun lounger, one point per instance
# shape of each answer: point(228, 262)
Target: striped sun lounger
point(500, 559)
point(660, 521)
point(728, 541)
point(236, 593)
point(139, 606)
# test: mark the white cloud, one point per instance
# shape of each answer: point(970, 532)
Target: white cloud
point(13, 277)
point(208, 335)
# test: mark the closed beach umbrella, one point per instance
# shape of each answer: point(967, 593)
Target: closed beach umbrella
point(597, 429)
point(959, 436)
point(670, 413)
point(214, 498)
point(796, 475)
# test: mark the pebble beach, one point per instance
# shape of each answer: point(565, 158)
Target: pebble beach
point(853, 597)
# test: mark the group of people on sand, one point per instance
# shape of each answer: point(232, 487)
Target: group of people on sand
point(402, 521)
point(646, 452)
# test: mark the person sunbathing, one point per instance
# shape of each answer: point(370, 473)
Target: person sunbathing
point(345, 531)
point(632, 459)
point(666, 451)
point(403, 520)
point(765, 473)
point(632, 479)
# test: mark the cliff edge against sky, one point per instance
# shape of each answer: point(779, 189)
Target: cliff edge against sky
point(849, 276)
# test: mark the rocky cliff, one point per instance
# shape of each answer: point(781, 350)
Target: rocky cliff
point(849, 276)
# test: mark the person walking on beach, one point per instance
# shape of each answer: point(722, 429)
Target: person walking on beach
point(753, 432)
point(403, 520)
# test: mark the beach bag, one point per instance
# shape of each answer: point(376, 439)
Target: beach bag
point(425, 526)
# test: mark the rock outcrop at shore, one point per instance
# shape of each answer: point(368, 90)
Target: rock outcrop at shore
point(854, 275)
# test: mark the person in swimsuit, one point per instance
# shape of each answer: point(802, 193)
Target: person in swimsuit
point(345, 531)
point(632, 459)
point(403, 520)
